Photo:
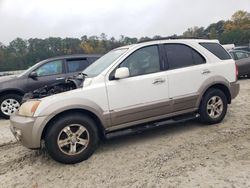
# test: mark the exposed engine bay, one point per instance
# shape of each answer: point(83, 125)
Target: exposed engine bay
point(63, 86)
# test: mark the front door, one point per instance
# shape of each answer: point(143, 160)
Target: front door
point(142, 95)
point(47, 74)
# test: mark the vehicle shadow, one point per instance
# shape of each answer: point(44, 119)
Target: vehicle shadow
point(166, 130)
point(108, 146)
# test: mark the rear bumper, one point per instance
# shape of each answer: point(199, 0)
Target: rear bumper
point(234, 89)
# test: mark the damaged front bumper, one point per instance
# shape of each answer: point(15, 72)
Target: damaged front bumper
point(27, 130)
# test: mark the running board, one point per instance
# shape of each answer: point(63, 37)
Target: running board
point(141, 128)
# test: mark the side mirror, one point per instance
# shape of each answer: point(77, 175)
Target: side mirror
point(122, 72)
point(33, 75)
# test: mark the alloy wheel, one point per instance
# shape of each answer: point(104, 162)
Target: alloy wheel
point(215, 107)
point(73, 139)
point(9, 106)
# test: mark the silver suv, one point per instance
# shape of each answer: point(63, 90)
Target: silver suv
point(131, 85)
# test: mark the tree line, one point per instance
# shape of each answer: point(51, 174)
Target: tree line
point(20, 54)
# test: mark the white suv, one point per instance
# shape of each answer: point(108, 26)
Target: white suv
point(131, 85)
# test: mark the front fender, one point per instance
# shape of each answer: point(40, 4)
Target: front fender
point(45, 114)
point(54, 108)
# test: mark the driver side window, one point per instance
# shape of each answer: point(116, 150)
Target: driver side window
point(143, 61)
point(51, 68)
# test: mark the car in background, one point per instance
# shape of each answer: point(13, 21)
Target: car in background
point(244, 48)
point(242, 59)
point(228, 47)
point(47, 72)
point(5, 74)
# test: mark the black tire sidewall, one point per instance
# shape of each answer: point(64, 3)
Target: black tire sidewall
point(9, 96)
point(205, 118)
point(56, 127)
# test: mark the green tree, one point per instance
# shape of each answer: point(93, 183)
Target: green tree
point(20, 54)
point(86, 47)
point(214, 30)
point(213, 33)
point(17, 51)
point(237, 30)
point(195, 31)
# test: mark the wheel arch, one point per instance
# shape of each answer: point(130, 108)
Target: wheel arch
point(221, 86)
point(12, 91)
point(92, 115)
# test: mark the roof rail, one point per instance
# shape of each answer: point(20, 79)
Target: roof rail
point(169, 38)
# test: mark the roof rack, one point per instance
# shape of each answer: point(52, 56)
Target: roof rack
point(169, 38)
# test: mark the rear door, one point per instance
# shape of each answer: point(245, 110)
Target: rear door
point(187, 70)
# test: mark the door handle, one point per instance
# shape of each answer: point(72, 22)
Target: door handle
point(206, 71)
point(159, 81)
point(60, 78)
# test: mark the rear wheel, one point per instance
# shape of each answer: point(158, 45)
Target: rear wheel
point(72, 138)
point(213, 106)
point(9, 104)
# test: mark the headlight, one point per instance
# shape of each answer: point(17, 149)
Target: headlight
point(29, 108)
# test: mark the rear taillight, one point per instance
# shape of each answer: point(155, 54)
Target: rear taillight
point(236, 72)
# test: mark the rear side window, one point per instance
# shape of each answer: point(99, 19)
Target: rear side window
point(179, 55)
point(76, 65)
point(216, 49)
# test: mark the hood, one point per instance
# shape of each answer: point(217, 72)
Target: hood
point(61, 95)
point(7, 78)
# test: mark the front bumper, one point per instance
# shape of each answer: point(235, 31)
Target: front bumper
point(27, 130)
point(234, 89)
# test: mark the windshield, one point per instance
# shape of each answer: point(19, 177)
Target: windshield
point(23, 73)
point(104, 62)
point(29, 69)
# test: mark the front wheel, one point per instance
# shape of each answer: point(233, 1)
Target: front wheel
point(72, 138)
point(213, 106)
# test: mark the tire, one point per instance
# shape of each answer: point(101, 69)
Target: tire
point(9, 103)
point(64, 131)
point(211, 112)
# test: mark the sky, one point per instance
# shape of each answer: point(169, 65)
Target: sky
point(133, 18)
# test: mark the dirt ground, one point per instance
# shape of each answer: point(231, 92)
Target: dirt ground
point(180, 155)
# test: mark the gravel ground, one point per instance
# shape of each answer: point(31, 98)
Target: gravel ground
point(180, 155)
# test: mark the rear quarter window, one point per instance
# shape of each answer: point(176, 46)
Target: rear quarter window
point(216, 49)
point(180, 55)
